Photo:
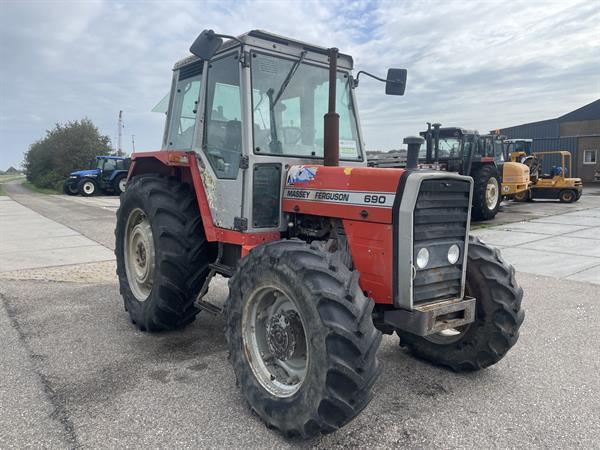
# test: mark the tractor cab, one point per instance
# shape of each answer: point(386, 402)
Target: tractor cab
point(515, 149)
point(260, 103)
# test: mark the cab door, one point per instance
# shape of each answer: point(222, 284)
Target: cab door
point(222, 141)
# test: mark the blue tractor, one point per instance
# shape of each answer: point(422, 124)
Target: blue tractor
point(106, 174)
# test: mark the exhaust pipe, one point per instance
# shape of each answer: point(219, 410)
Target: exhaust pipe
point(412, 154)
point(436, 141)
point(331, 134)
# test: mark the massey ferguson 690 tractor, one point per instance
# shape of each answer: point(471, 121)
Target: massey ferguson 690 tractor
point(263, 178)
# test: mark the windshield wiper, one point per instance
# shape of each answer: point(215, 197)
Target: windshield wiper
point(275, 144)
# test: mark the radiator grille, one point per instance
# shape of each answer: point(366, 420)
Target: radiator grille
point(440, 220)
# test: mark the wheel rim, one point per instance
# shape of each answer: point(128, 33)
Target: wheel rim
point(448, 336)
point(122, 184)
point(88, 187)
point(567, 196)
point(491, 193)
point(139, 254)
point(275, 341)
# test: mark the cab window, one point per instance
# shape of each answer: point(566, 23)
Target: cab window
point(109, 165)
point(223, 126)
point(185, 106)
point(289, 100)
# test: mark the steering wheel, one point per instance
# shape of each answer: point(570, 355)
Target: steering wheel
point(291, 135)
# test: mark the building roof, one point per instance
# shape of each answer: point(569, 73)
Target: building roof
point(591, 111)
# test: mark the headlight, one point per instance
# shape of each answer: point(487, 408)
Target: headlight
point(422, 258)
point(453, 254)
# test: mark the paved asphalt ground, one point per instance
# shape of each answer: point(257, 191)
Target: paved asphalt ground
point(74, 373)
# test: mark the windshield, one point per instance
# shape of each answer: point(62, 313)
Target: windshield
point(99, 163)
point(289, 100)
point(449, 148)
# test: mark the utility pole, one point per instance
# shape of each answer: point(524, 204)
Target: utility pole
point(120, 134)
point(133, 143)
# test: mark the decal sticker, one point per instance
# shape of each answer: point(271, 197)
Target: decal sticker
point(347, 170)
point(378, 199)
point(301, 174)
point(348, 148)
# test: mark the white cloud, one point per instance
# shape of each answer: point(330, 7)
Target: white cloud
point(475, 64)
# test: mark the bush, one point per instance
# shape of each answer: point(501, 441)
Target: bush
point(65, 149)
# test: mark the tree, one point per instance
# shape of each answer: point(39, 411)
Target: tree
point(66, 148)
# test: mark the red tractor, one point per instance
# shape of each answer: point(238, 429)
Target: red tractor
point(322, 258)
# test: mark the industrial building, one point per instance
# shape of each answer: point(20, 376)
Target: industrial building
point(577, 132)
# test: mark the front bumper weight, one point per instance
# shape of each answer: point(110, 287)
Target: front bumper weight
point(433, 317)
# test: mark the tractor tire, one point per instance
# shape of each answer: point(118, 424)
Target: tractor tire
point(162, 254)
point(567, 196)
point(486, 193)
point(523, 196)
point(498, 317)
point(87, 187)
point(301, 338)
point(119, 184)
point(70, 188)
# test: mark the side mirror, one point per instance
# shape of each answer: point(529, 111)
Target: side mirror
point(395, 82)
point(206, 45)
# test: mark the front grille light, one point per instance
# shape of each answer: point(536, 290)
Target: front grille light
point(422, 258)
point(453, 254)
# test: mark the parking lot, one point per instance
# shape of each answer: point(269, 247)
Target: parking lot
point(75, 373)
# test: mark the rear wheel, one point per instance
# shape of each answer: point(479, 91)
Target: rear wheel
point(567, 196)
point(87, 187)
point(301, 338)
point(162, 255)
point(497, 319)
point(486, 193)
point(523, 196)
point(120, 184)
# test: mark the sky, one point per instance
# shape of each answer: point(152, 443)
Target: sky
point(477, 64)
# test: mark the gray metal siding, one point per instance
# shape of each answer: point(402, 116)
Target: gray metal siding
point(568, 144)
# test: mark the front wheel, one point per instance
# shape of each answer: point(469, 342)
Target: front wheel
point(301, 338)
point(498, 317)
point(70, 188)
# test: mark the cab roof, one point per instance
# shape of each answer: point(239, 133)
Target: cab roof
point(111, 157)
point(274, 42)
point(452, 131)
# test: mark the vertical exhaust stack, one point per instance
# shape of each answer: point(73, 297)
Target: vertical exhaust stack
point(412, 154)
point(331, 138)
point(436, 141)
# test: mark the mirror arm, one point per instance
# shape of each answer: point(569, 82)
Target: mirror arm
point(355, 81)
point(227, 36)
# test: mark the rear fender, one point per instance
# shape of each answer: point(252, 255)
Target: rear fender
point(184, 166)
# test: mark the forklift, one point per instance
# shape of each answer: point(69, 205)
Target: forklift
point(555, 185)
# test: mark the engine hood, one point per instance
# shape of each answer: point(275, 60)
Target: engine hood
point(84, 173)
